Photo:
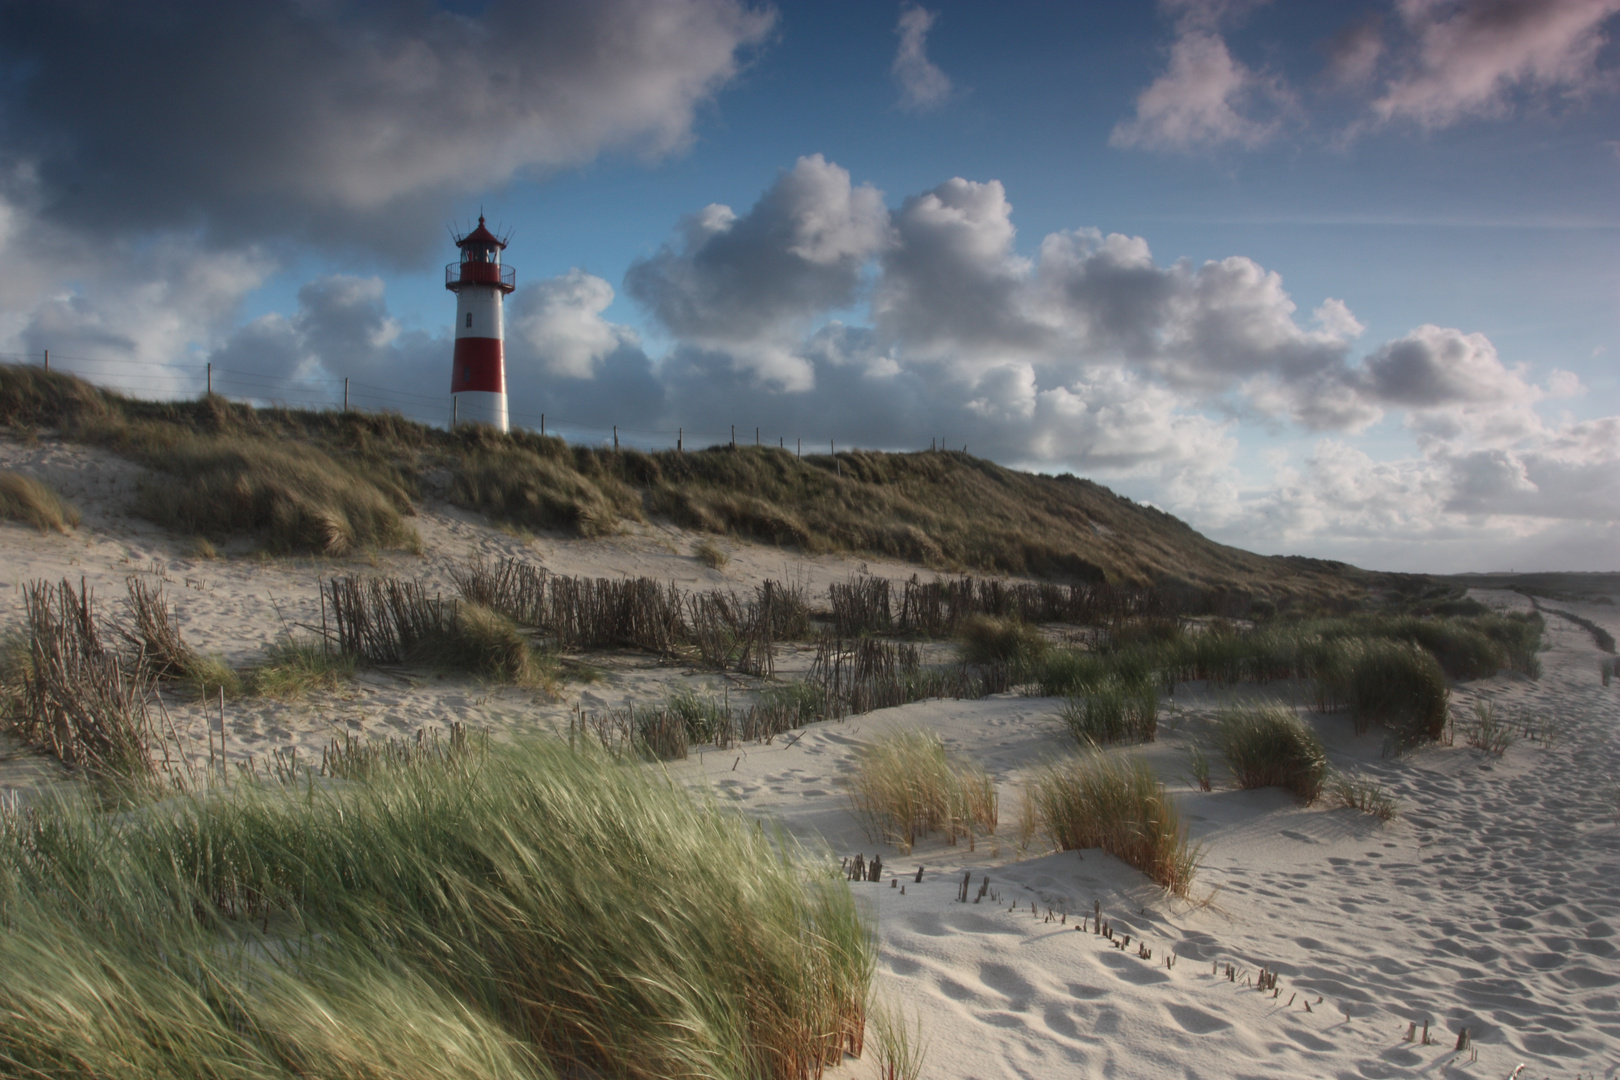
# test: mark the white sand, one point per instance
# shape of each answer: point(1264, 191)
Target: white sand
point(1491, 903)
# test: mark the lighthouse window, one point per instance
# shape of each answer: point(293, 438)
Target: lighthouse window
point(469, 319)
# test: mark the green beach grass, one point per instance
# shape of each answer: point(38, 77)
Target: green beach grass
point(532, 912)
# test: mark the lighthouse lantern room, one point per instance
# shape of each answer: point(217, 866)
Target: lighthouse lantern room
point(480, 282)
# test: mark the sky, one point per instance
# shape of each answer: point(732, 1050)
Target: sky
point(1337, 279)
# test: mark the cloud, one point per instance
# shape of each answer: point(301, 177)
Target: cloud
point(560, 323)
point(955, 305)
point(1354, 53)
point(951, 286)
point(1207, 329)
point(328, 121)
point(750, 286)
point(922, 85)
point(1472, 57)
point(1206, 99)
point(1433, 366)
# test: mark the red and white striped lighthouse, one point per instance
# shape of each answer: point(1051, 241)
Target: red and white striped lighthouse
point(480, 282)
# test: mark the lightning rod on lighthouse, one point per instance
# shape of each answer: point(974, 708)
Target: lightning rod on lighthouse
point(478, 374)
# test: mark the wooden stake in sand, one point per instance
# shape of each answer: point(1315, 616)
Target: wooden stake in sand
point(224, 765)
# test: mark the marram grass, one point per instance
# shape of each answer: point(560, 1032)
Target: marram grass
point(535, 912)
point(1117, 804)
point(906, 786)
point(22, 498)
point(1270, 746)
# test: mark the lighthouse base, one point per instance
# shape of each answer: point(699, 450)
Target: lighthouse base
point(480, 407)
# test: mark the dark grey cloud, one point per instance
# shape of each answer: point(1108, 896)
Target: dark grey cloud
point(330, 121)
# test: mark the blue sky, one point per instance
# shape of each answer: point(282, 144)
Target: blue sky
point(1335, 279)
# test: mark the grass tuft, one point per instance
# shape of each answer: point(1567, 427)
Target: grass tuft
point(906, 786)
point(1360, 793)
point(1489, 731)
point(22, 498)
point(1198, 766)
point(1394, 682)
point(900, 1048)
point(298, 498)
point(710, 554)
point(1270, 746)
point(1116, 711)
point(206, 676)
point(298, 666)
point(1117, 804)
point(987, 639)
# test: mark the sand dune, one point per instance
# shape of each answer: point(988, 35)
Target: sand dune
point(1491, 903)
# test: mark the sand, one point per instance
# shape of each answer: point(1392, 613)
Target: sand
point(1491, 903)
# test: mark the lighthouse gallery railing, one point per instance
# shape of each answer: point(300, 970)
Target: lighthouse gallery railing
point(457, 274)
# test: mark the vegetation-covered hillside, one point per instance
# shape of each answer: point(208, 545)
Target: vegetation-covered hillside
point(333, 482)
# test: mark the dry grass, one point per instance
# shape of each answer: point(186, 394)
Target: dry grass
point(296, 498)
point(388, 621)
point(1270, 746)
point(156, 640)
point(1116, 804)
point(22, 498)
point(947, 510)
point(906, 786)
point(1360, 793)
point(73, 697)
point(710, 554)
point(717, 628)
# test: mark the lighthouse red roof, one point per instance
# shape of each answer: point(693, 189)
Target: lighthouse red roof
point(480, 235)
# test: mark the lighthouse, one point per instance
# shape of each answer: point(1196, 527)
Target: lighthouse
point(478, 374)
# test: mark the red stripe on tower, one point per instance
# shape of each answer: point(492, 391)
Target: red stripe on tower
point(480, 364)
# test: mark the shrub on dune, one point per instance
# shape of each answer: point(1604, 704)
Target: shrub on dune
point(1116, 804)
point(1270, 746)
point(531, 487)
